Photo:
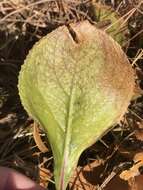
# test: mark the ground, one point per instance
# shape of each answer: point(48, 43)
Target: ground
point(112, 162)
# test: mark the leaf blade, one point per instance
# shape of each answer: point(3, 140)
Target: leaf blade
point(72, 93)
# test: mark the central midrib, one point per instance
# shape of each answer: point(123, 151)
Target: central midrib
point(67, 136)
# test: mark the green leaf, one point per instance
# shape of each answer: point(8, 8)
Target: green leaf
point(76, 91)
point(117, 27)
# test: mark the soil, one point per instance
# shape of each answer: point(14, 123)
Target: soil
point(101, 166)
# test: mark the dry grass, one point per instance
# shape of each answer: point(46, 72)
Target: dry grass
point(40, 14)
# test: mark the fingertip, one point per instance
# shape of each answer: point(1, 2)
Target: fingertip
point(13, 180)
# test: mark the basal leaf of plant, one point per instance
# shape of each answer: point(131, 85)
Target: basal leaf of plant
point(76, 91)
